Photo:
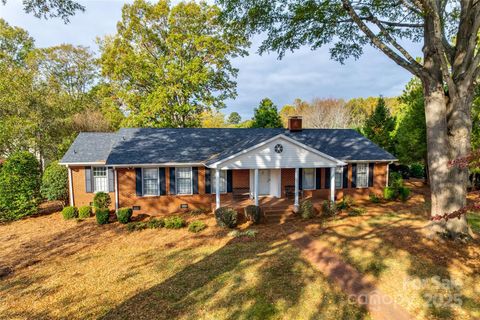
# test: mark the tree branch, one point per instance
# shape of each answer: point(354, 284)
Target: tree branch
point(415, 69)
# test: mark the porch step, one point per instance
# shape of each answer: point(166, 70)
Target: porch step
point(278, 215)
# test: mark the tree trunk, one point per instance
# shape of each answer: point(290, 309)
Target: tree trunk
point(448, 138)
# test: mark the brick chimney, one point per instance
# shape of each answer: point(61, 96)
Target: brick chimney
point(295, 123)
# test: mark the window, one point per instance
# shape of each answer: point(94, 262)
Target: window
point(338, 177)
point(308, 179)
point(150, 181)
point(362, 175)
point(223, 181)
point(183, 178)
point(100, 179)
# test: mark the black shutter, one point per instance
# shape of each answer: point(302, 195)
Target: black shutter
point(318, 178)
point(229, 180)
point(327, 178)
point(88, 180)
point(208, 187)
point(370, 174)
point(345, 177)
point(354, 175)
point(138, 181)
point(162, 183)
point(111, 180)
point(300, 179)
point(172, 181)
point(195, 180)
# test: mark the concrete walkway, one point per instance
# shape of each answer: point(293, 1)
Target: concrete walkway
point(354, 284)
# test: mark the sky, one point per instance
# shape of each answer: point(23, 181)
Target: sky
point(303, 74)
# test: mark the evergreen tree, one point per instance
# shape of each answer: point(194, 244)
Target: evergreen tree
point(234, 118)
point(380, 125)
point(266, 115)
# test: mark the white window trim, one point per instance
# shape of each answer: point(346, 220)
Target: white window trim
point(191, 182)
point(341, 178)
point(314, 179)
point(212, 179)
point(143, 184)
point(106, 176)
point(368, 175)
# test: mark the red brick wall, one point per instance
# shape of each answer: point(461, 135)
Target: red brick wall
point(80, 195)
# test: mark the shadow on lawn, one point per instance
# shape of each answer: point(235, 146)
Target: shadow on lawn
point(222, 282)
point(385, 235)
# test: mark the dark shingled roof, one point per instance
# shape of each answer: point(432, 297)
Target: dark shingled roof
point(154, 146)
point(90, 147)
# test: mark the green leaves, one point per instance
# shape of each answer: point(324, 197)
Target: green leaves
point(169, 64)
point(266, 115)
point(379, 126)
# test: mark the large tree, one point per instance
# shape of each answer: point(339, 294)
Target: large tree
point(380, 125)
point(62, 9)
point(266, 115)
point(448, 31)
point(171, 63)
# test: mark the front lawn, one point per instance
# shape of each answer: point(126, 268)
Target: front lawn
point(69, 269)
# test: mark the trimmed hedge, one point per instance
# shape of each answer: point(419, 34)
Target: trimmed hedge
point(226, 217)
point(124, 215)
point(69, 213)
point(306, 209)
point(84, 212)
point(253, 213)
point(102, 200)
point(174, 222)
point(102, 215)
point(196, 226)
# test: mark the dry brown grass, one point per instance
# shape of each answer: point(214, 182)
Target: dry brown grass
point(70, 269)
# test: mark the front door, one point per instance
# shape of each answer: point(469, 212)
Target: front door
point(264, 182)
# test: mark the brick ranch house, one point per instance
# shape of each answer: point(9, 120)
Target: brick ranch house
point(161, 171)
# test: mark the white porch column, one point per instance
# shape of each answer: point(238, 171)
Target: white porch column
point(217, 188)
point(255, 186)
point(297, 187)
point(70, 186)
point(332, 183)
point(116, 189)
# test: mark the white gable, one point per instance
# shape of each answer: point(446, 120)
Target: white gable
point(264, 156)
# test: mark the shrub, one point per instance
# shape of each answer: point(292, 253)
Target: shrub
point(246, 233)
point(196, 226)
point(102, 215)
point(84, 212)
point(253, 213)
point(389, 193)
point(101, 200)
point(306, 209)
point(374, 198)
point(69, 213)
point(55, 182)
point(356, 211)
point(346, 203)
point(403, 193)
point(124, 215)
point(329, 208)
point(174, 222)
point(196, 212)
point(395, 180)
point(155, 223)
point(19, 186)
point(226, 217)
point(417, 170)
point(136, 226)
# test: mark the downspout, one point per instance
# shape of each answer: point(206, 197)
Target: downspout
point(116, 189)
point(70, 186)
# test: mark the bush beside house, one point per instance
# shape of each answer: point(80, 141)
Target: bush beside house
point(124, 215)
point(70, 213)
point(102, 215)
point(55, 182)
point(226, 217)
point(84, 212)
